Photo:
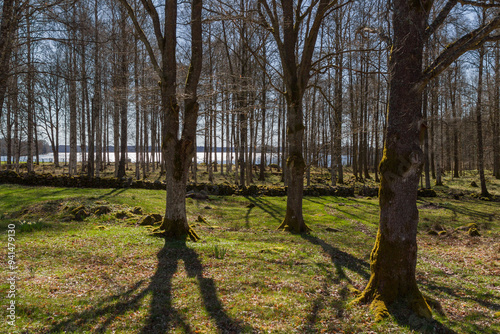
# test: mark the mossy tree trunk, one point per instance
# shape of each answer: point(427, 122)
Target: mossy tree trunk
point(394, 256)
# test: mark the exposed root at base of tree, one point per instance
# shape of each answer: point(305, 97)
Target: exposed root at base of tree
point(415, 302)
point(176, 230)
point(285, 226)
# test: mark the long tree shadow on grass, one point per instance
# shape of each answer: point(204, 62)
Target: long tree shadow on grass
point(267, 207)
point(162, 316)
point(340, 260)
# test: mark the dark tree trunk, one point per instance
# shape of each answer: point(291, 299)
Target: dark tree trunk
point(425, 135)
point(8, 27)
point(394, 256)
point(179, 151)
point(454, 125)
point(123, 96)
point(295, 163)
point(480, 158)
point(496, 115)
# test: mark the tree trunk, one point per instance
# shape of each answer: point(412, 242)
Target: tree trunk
point(394, 256)
point(8, 27)
point(426, 141)
point(496, 115)
point(179, 151)
point(454, 123)
point(294, 220)
point(480, 158)
point(262, 176)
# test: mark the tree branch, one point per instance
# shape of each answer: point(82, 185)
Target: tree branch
point(142, 36)
point(438, 21)
point(471, 41)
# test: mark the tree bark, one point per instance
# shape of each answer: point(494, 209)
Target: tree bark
point(496, 115)
point(394, 256)
point(8, 27)
point(480, 153)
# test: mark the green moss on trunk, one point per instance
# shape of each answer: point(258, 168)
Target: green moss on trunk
point(391, 283)
point(294, 226)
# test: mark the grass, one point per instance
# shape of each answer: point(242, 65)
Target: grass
point(105, 274)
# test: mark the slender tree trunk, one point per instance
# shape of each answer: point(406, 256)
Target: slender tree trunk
point(496, 115)
point(337, 170)
point(426, 141)
point(30, 97)
point(72, 113)
point(8, 28)
point(394, 256)
point(454, 125)
point(123, 95)
point(480, 158)
point(263, 149)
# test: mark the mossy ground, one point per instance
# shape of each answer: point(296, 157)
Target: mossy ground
point(102, 273)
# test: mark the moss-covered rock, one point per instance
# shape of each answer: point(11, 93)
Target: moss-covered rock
point(157, 217)
point(123, 215)
point(137, 210)
point(473, 232)
point(147, 221)
point(102, 210)
point(79, 213)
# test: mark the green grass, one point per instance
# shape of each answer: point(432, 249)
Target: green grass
point(105, 274)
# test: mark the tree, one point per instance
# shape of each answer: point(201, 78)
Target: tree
point(296, 74)
point(178, 151)
point(8, 27)
point(394, 255)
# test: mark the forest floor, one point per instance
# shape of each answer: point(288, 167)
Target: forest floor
point(108, 274)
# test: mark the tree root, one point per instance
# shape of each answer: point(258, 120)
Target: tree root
point(381, 308)
point(284, 226)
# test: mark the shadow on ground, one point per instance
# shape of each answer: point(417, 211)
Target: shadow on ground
point(162, 316)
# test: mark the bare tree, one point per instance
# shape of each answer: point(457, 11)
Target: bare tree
point(394, 256)
point(178, 151)
point(296, 74)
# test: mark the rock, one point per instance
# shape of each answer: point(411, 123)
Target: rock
point(123, 215)
point(207, 207)
point(473, 232)
point(147, 221)
point(157, 217)
point(137, 210)
point(331, 229)
point(80, 213)
point(102, 210)
point(473, 184)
